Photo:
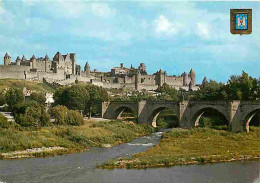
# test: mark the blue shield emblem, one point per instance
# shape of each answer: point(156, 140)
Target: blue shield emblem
point(241, 21)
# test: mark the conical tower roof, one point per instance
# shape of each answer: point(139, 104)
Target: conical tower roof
point(33, 57)
point(192, 71)
point(7, 55)
point(46, 57)
point(204, 80)
point(24, 58)
point(18, 58)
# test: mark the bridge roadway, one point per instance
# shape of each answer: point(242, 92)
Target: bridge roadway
point(237, 113)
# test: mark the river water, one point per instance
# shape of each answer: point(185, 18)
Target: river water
point(80, 167)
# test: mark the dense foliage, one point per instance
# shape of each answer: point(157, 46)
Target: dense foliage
point(14, 96)
point(63, 116)
point(87, 98)
point(242, 87)
point(34, 117)
point(38, 97)
point(4, 122)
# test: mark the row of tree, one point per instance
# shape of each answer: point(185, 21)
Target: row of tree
point(242, 87)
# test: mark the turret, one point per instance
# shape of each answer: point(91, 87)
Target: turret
point(18, 61)
point(87, 69)
point(73, 59)
point(58, 57)
point(24, 58)
point(33, 63)
point(46, 60)
point(185, 79)
point(161, 77)
point(205, 81)
point(137, 80)
point(192, 76)
point(142, 67)
point(191, 85)
point(7, 59)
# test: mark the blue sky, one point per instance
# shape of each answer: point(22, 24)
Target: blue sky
point(173, 36)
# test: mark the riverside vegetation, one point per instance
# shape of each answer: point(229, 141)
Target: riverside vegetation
point(195, 146)
point(71, 138)
point(33, 134)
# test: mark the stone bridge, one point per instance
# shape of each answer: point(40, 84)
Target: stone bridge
point(237, 113)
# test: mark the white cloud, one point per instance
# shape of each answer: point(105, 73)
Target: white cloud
point(69, 9)
point(164, 26)
point(6, 17)
point(203, 30)
point(102, 10)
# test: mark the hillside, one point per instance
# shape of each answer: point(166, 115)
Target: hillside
point(30, 85)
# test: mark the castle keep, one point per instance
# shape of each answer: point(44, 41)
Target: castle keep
point(62, 70)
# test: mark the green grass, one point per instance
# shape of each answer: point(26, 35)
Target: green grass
point(75, 138)
point(195, 146)
point(30, 85)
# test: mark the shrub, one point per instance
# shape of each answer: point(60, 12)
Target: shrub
point(161, 123)
point(38, 97)
point(74, 118)
point(34, 117)
point(59, 113)
point(4, 122)
point(14, 96)
point(20, 108)
point(2, 98)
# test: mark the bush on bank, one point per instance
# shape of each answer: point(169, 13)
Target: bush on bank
point(63, 116)
point(4, 122)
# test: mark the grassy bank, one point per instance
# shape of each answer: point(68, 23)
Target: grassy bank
point(30, 85)
point(195, 146)
point(70, 138)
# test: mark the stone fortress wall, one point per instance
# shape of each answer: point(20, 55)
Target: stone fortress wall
point(63, 70)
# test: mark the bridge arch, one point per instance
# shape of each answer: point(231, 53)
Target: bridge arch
point(119, 111)
point(210, 111)
point(248, 118)
point(154, 114)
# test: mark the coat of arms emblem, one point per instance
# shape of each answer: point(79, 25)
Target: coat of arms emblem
point(241, 21)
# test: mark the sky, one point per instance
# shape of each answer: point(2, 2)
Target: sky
point(169, 35)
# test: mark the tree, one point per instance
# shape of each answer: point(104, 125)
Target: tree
point(167, 93)
point(60, 114)
point(21, 107)
point(34, 117)
point(14, 96)
point(242, 87)
point(2, 98)
point(38, 97)
point(97, 95)
point(4, 122)
point(73, 97)
point(210, 91)
point(74, 118)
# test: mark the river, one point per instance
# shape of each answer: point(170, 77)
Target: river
point(80, 167)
